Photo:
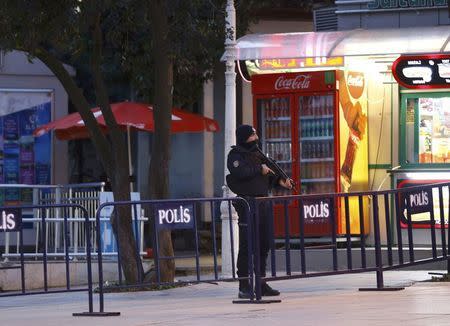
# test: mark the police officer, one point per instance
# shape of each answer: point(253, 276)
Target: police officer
point(250, 177)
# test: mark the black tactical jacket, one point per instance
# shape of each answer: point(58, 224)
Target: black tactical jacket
point(245, 178)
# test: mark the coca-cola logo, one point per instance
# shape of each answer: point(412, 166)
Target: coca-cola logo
point(355, 82)
point(297, 82)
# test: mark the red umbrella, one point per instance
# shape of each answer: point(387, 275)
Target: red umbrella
point(133, 115)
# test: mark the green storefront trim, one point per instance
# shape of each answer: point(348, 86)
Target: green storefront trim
point(380, 166)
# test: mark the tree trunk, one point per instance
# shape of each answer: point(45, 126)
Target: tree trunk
point(160, 157)
point(122, 217)
point(115, 167)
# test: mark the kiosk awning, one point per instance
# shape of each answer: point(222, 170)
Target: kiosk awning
point(358, 42)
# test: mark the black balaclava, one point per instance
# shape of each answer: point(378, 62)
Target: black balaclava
point(242, 134)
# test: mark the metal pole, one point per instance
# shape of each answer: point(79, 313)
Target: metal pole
point(229, 138)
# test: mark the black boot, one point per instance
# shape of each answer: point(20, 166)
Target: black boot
point(267, 291)
point(244, 290)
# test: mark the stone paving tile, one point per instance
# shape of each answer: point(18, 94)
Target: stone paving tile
point(331, 300)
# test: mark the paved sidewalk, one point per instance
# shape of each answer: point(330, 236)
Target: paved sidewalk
point(332, 300)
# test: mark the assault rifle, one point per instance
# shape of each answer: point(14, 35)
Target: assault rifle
point(273, 165)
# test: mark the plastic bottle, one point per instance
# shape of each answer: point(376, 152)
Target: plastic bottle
point(324, 123)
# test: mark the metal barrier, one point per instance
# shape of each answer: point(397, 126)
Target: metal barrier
point(86, 195)
point(398, 207)
point(395, 206)
point(13, 222)
point(176, 214)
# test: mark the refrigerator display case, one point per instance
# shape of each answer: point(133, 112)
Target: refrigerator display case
point(302, 127)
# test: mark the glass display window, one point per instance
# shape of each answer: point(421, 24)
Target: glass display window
point(425, 130)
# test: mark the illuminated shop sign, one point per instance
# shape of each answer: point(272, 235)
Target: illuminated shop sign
point(392, 4)
point(269, 64)
point(427, 71)
point(290, 65)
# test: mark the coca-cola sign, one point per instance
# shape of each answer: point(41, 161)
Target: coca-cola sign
point(355, 82)
point(295, 82)
point(301, 81)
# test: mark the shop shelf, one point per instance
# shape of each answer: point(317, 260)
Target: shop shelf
point(315, 117)
point(274, 140)
point(319, 159)
point(317, 180)
point(278, 119)
point(317, 138)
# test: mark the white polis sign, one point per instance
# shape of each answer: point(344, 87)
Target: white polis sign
point(317, 209)
point(10, 220)
point(175, 216)
point(419, 201)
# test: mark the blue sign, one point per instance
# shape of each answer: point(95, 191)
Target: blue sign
point(10, 220)
point(175, 216)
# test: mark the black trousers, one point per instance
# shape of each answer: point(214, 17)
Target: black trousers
point(265, 235)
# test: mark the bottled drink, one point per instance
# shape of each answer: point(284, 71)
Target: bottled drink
point(324, 127)
point(304, 106)
point(347, 166)
point(269, 129)
point(286, 106)
point(285, 152)
point(329, 104)
point(265, 110)
point(319, 106)
point(310, 105)
point(323, 170)
point(313, 168)
point(322, 103)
